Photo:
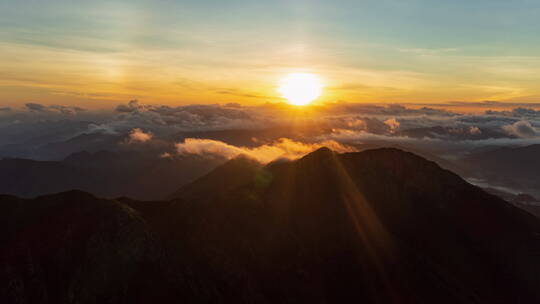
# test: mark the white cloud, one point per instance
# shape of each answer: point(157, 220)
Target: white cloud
point(101, 128)
point(523, 129)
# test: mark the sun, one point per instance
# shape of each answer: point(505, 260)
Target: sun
point(300, 89)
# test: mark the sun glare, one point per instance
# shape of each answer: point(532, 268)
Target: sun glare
point(300, 88)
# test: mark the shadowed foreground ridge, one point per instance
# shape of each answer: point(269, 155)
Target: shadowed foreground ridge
point(380, 226)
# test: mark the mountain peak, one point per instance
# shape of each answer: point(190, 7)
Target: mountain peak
point(242, 159)
point(389, 221)
point(233, 173)
point(321, 153)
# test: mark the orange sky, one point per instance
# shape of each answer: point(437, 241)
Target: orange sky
point(102, 53)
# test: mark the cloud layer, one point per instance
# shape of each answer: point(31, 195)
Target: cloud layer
point(272, 130)
point(282, 148)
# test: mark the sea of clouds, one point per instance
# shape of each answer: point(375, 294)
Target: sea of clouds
point(272, 130)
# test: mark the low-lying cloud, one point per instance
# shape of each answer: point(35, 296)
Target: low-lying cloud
point(139, 136)
point(282, 148)
point(523, 129)
point(392, 123)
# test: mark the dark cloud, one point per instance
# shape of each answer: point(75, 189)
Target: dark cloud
point(167, 119)
point(485, 119)
point(130, 107)
point(488, 104)
point(516, 112)
point(36, 107)
point(392, 110)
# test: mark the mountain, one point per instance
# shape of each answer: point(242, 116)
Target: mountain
point(379, 226)
point(85, 142)
point(75, 248)
point(445, 163)
point(27, 139)
point(28, 178)
point(54, 149)
point(516, 168)
point(523, 201)
point(104, 173)
point(229, 176)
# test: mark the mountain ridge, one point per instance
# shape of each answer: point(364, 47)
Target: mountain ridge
point(379, 226)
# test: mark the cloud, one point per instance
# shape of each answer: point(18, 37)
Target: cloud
point(384, 110)
point(428, 52)
point(475, 131)
point(392, 123)
point(261, 126)
point(516, 112)
point(523, 129)
point(162, 119)
point(441, 147)
point(101, 128)
point(472, 105)
point(165, 155)
point(282, 148)
point(139, 136)
point(36, 107)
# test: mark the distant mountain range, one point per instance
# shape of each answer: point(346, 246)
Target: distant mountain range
point(379, 226)
point(454, 133)
point(109, 174)
point(516, 168)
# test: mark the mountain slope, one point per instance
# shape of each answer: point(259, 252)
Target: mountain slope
point(379, 226)
point(403, 220)
point(234, 173)
point(74, 247)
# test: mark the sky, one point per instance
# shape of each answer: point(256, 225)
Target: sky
point(96, 54)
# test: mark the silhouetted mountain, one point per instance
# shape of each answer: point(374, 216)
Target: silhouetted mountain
point(75, 248)
point(515, 168)
point(104, 173)
point(85, 142)
point(523, 201)
point(28, 178)
point(25, 140)
point(39, 149)
point(229, 176)
point(452, 165)
point(379, 226)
